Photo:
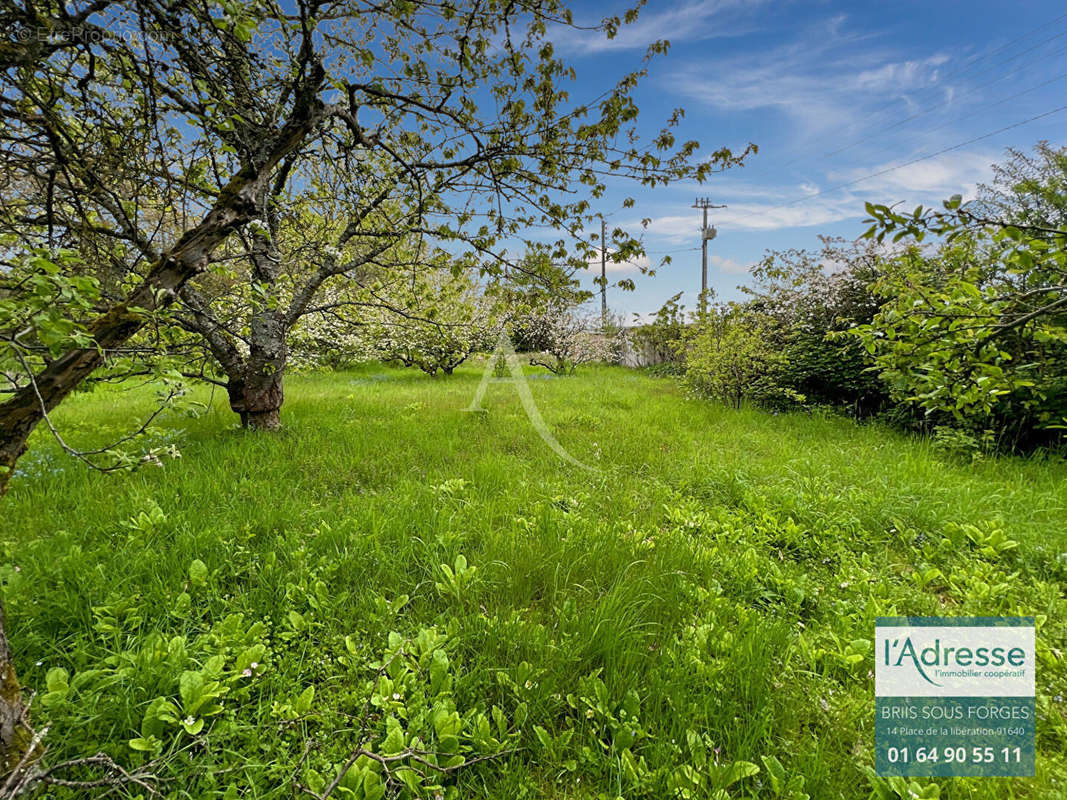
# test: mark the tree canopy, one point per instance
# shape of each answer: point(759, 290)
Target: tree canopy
point(144, 135)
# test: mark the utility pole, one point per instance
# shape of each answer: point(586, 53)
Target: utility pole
point(603, 274)
point(706, 235)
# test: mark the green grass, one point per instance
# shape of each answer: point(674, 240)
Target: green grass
point(692, 603)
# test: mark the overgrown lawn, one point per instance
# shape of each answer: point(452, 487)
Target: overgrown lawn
point(396, 571)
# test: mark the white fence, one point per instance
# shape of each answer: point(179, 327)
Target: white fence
point(639, 354)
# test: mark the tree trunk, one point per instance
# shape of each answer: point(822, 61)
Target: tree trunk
point(263, 403)
point(266, 368)
point(16, 737)
point(257, 400)
point(255, 385)
point(15, 429)
point(235, 390)
point(267, 352)
point(237, 204)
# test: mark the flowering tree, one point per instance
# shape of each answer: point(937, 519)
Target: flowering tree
point(814, 298)
point(148, 136)
point(570, 339)
point(159, 138)
point(432, 319)
point(440, 330)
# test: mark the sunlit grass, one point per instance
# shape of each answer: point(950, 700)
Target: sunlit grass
point(717, 564)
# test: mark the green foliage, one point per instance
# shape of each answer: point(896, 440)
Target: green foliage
point(898, 788)
point(665, 337)
point(783, 785)
point(733, 358)
point(812, 298)
point(963, 443)
point(786, 344)
point(831, 370)
point(415, 735)
point(964, 338)
point(970, 334)
point(44, 303)
point(973, 331)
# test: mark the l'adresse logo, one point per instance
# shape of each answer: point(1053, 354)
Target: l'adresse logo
point(936, 658)
point(954, 696)
point(904, 652)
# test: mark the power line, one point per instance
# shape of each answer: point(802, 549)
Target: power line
point(967, 67)
point(947, 102)
point(1000, 102)
point(962, 70)
point(671, 252)
point(926, 157)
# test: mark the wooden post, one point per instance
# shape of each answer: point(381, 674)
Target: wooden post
point(603, 274)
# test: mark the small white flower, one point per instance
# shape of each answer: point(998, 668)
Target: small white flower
point(189, 720)
point(247, 673)
point(396, 695)
point(254, 664)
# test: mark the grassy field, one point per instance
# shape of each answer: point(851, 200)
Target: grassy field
point(395, 573)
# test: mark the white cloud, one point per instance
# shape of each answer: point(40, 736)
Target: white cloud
point(898, 75)
point(951, 173)
point(643, 263)
point(759, 216)
point(726, 265)
point(693, 20)
point(755, 217)
point(806, 204)
point(634, 265)
point(827, 82)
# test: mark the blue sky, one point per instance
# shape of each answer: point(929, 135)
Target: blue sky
point(830, 92)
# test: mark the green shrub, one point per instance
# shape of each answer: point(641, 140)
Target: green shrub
point(664, 338)
point(812, 298)
point(972, 330)
point(733, 358)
